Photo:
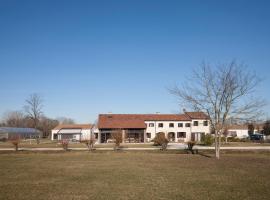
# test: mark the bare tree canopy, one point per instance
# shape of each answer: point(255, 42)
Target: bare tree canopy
point(14, 119)
point(65, 120)
point(224, 92)
point(33, 108)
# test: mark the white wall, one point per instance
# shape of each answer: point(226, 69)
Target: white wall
point(241, 133)
point(85, 134)
point(166, 129)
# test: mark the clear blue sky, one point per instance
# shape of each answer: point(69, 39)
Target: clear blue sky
point(90, 57)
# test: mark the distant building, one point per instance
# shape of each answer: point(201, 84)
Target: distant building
point(241, 130)
point(23, 133)
point(75, 132)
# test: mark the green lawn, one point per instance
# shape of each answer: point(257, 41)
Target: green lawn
point(133, 175)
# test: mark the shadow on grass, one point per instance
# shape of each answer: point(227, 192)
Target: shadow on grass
point(204, 155)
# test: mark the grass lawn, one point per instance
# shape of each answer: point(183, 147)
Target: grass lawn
point(55, 144)
point(45, 143)
point(133, 175)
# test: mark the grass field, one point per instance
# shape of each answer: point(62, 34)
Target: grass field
point(133, 175)
point(45, 143)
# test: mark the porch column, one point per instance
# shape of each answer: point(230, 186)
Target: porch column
point(99, 137)
point(123, 136)
point(144, 135)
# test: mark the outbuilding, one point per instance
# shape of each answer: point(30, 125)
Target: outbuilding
point(22, 133)
point(74, 132)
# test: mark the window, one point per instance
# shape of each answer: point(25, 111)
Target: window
point(180, 124)
point(96, 135)
point(195, 123)
point(148, 135)
point(187, 124)
point(205, 123)
point(171, 125)
point(181, 134)
point(160, 125)
point(151, 125)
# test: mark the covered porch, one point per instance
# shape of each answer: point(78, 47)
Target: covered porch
point(69, 134)
point(128, 135)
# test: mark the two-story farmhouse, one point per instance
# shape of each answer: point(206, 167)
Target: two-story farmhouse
point(144, 127)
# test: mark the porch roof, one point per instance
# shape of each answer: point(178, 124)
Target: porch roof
point(70, 131)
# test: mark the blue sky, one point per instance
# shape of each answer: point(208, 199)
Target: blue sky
point(90, 57)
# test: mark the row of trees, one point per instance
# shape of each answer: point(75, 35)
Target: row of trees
point(32, 116)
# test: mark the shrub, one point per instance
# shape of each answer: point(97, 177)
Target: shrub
point(117, 137)
point(15, 140)
point(207, 140)
point(190, 145)
point(161, 140)
point(234, 139)
point(89, 142)
point(64, 144)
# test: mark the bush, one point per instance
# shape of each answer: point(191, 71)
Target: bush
point(89, 143)
point(161, 140)
point(190, 145)
point(117, 137)
point(15, 140)
point(64, 144)
point(233, 139)
point(207, 139)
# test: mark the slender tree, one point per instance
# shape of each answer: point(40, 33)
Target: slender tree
point(224, 92)
point(33, 109)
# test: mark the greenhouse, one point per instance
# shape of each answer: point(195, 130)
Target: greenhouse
point(23, 133)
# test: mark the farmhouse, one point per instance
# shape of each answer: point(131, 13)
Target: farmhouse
point(139, 128)
point(75, 132)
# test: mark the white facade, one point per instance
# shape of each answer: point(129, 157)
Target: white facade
point(240, 133)
point(74, 134)
point(177, 131)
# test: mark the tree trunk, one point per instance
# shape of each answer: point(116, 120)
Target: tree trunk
point(217, 144)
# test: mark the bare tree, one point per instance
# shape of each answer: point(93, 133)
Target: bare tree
point(223, 92)
point(33, 108)
point(14, 119)
point(46, 125)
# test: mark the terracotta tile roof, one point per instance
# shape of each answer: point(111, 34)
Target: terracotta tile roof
point(135, 120)
point(73, 126)
point(197, 115)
